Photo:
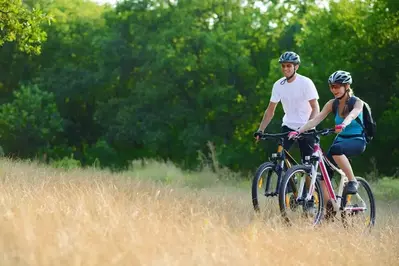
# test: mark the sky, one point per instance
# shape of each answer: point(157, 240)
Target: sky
point(105, 1)
point(323, 3)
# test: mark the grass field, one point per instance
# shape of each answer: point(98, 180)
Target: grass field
point(160, 215)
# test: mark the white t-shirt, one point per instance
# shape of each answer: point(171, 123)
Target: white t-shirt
point(295, 97)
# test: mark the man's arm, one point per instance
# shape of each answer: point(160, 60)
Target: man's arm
point(314, 103)
point(268, 115)
point(312, 96)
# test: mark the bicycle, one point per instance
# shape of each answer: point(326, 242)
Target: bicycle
point(341, 202)
point(277, 164)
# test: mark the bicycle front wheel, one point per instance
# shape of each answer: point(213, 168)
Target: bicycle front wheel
point(294, 206)
point(264, 187)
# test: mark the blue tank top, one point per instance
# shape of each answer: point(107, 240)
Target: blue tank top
point(354, 128)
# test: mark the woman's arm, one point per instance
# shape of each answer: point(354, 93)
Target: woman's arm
point(318, 118)
point(357, 108)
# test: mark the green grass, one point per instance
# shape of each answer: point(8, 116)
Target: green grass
point(167, 173)
point(386, 189)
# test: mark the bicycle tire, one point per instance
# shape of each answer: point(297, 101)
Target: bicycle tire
point(255, 182)
point(370, 195)
point(284, 187)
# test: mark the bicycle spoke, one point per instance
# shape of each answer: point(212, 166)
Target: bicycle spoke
point(359, 211)
point(294, 206)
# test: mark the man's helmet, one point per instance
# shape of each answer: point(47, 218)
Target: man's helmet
point(289, 57)
point(340, 77)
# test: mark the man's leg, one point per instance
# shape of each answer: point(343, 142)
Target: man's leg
point(287, 146)
point(287, 142)
point(306, 146)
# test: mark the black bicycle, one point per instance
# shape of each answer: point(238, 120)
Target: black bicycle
point(270, 171)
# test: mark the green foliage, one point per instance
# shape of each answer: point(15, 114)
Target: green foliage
point(66, 163)
point(162, 79)
point(388, 128)
point(74, 43)
point(101, 153)
point(194, 79)
point(21, 24)
point(29, 122)
point(361, 37)
point(56, 152)
point(390, 121)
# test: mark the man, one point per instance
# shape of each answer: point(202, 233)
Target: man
point(299, 98)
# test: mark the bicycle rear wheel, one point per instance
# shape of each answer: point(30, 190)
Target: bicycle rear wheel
point(359, 210)
point(292, 203)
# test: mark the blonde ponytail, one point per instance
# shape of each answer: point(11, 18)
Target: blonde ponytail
point(350, 92)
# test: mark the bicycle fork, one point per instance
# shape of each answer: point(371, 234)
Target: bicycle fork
point(279, 160)
point(311, 188)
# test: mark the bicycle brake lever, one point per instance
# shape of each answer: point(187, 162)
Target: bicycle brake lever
point(325, 132)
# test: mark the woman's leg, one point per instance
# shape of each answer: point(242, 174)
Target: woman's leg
point(340, 150)
point(344, 164)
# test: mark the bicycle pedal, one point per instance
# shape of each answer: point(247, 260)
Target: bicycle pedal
point(300, 200)
point(271, 194)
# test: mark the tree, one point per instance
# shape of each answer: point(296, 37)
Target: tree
point(188, 73)
point(361, 37)
point(69, 66)
point(30, 122)
point(21, 24)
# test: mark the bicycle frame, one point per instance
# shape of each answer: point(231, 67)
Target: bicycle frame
point(280, 160)
point(320, 160)
point(281, 157)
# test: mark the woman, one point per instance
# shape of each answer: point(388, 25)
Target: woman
point(350, 140)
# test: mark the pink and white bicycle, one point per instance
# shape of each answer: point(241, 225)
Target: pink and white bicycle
point(307, 199)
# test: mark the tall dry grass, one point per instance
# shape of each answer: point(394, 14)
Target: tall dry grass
point(88, 217)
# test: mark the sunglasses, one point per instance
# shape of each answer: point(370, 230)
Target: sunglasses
point(336, 86)
point(288, 65)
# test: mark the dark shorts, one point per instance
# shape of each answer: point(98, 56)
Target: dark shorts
point(306, 145)
point(347, 147)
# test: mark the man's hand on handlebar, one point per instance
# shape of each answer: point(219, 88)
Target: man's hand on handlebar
point(258, 134)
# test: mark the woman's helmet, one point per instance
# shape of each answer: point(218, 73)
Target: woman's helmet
point(340, 77)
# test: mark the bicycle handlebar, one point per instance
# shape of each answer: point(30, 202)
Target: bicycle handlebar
point(265, 136)
point(315, 133)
